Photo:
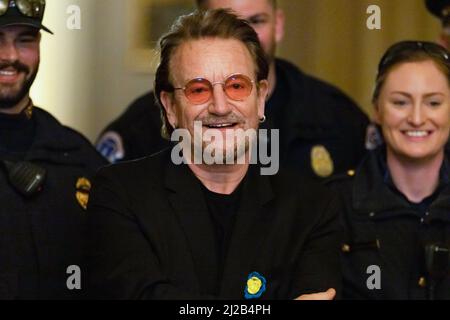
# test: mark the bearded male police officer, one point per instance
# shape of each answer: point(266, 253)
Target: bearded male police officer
point(321, 130)
point(44, 171)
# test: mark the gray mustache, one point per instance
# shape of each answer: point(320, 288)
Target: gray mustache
point(213, 120)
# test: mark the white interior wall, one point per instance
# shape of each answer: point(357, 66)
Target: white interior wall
point(64, 85)
point(84, 79)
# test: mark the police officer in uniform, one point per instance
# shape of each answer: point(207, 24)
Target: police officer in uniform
point(441, 9)
point(44, 172)
point(396, 205)
point(321, 130)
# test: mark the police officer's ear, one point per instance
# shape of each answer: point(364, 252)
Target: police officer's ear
point(168, 102)
point(376, 114)
point(279, 25)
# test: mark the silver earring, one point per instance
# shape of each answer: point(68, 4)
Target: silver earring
point(263, 119)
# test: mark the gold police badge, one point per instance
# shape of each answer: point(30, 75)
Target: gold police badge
point(83, 188)
point(321, 161)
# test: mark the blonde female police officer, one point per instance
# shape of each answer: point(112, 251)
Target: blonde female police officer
point(397, 204)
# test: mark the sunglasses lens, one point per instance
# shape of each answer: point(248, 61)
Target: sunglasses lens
point(198, 91)
point(238, 87)
point(31, 8)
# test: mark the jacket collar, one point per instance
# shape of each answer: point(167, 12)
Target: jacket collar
point(48, 134)
point(370, 192)
point(182, 182)
point(373, 191)
point(54, 142)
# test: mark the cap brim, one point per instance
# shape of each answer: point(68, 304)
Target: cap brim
point(23, 21)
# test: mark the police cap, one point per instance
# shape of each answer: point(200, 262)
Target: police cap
point(22, 12)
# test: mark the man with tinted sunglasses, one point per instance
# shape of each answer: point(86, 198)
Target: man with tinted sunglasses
point(220, 230)
point(44, 171)
point(321, 130)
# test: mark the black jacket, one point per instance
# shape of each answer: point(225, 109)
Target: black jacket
point(383, 229)
point(43, 235)
point(151, 236)
point(308, 112)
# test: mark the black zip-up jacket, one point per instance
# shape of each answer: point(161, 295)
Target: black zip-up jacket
point(42, 236)
point(383, 254)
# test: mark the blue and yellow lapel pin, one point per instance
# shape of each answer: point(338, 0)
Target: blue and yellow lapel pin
point(256, 286)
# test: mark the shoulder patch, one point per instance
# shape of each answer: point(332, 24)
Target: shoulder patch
point(110, 146)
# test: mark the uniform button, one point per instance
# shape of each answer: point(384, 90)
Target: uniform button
point(422, 220)
point(345, 248)
point(427, 214)
point(372, 214)
point(422, 282)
